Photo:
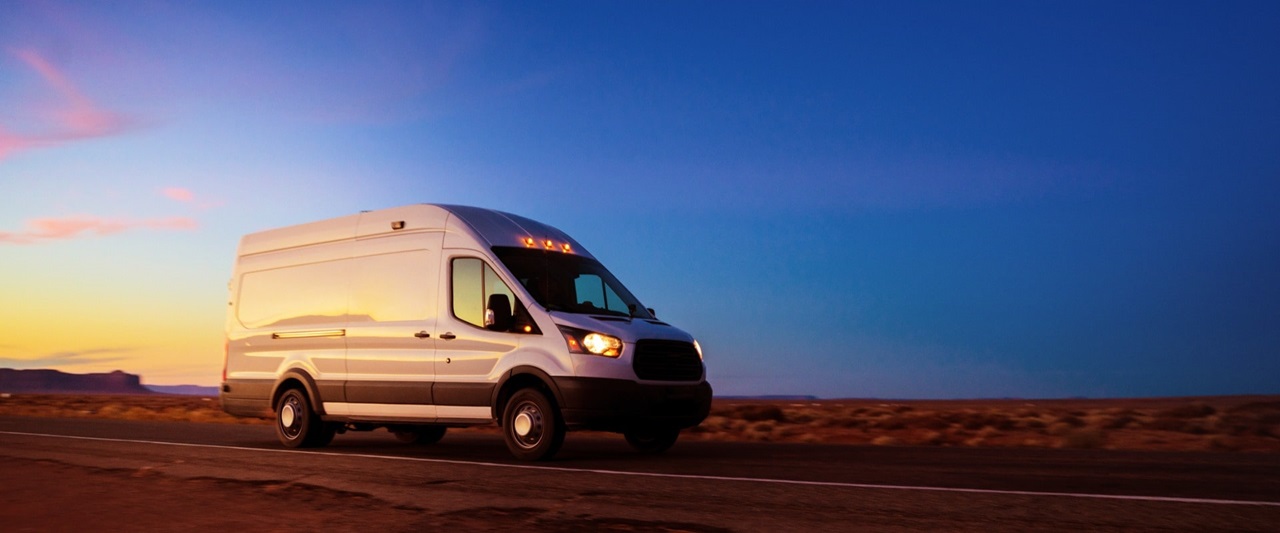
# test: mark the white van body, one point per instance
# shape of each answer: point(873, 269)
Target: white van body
point(424, 317)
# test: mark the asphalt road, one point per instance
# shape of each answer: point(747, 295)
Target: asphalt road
point(597, 482)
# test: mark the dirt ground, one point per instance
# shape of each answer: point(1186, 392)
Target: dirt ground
point(142, 500)
point(1220, 423)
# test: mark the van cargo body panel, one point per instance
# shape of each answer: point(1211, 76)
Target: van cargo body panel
point(427, 316)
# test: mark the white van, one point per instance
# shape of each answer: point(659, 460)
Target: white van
point(425, 317)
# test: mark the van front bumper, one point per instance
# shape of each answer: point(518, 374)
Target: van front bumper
point(619, 404)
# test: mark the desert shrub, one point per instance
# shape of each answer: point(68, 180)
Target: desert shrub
point(1118, 422)
point(138, 413)
point(893, 422)
point(974, 422)
point(885, 440)
point(1033, 423)
point(1194, 427)
point(903, 409)
point(808, 438)
point(757, 413)
point(931, 438)
point(1087, 438)
point(1248, 423)
point(1191, 410)
point(1072, 420)
point(1060, 429)
point(1002, 422)
point(111, 410)
point(852, 423)
point(1166, 424)
point(1272, 408)
point(803, 417)
point(932, 422)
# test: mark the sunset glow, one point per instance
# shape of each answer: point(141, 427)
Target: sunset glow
point(872, 200)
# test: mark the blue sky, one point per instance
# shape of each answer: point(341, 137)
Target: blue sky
point(924, 200)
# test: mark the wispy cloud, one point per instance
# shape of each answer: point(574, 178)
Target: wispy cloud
point(77, 118)
point(188, 197)
point(40, 230)
point(92, 356)
point(178, 194)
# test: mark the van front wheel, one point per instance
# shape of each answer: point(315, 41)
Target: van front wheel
point(297, 425)
point(532, 426)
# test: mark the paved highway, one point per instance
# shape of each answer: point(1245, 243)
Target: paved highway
point(469, 480)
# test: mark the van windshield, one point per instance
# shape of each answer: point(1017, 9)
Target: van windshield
point(570, 283)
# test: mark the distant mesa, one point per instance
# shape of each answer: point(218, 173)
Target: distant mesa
point(184, 390)
point(56, 382)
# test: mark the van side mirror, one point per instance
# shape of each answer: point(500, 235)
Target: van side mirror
point(497, 316)
point(652, 313)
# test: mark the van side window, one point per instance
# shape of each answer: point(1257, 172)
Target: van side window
point(391, 287)
point(474, 285)
point(314, 293)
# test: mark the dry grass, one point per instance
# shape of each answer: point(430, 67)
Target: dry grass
point(151, 407)
point(1234, 423)
point(1231, 423)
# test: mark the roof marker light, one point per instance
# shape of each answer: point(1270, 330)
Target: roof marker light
point(566, 247)
point(528, 241)
point(550, 244)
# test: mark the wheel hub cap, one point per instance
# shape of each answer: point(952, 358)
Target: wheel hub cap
point(523, 424)
point(287, 416)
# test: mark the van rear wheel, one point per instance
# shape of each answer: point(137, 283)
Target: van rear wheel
point(532, 426)
point(652, 440)
point(297, 425)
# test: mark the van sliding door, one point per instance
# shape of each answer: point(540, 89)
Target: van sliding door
point(391, 334)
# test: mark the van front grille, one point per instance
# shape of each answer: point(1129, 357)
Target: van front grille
point(659, 360)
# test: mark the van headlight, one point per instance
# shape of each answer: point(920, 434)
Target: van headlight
point(583, 341)
point(602, 344)
point(697, 347)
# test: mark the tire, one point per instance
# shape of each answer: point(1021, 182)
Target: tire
point(421, 435)
point(651, 440)
point(297, 425)
point(532, 426)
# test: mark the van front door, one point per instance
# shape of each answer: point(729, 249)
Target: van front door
point(469, 346)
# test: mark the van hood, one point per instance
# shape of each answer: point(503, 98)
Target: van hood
point(629, 330)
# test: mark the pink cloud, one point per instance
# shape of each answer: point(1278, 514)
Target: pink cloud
point(79, 118)
point(178, 193)
point(40, 230)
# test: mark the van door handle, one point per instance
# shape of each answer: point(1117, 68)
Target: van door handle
point(448, 336)
point(421, 334)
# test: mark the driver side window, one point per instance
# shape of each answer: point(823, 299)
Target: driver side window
point(482, 299)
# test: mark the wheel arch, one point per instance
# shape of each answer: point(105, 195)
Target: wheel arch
point(521, 377)
point(295, 378)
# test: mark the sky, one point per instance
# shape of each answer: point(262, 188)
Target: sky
point(846, 199)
